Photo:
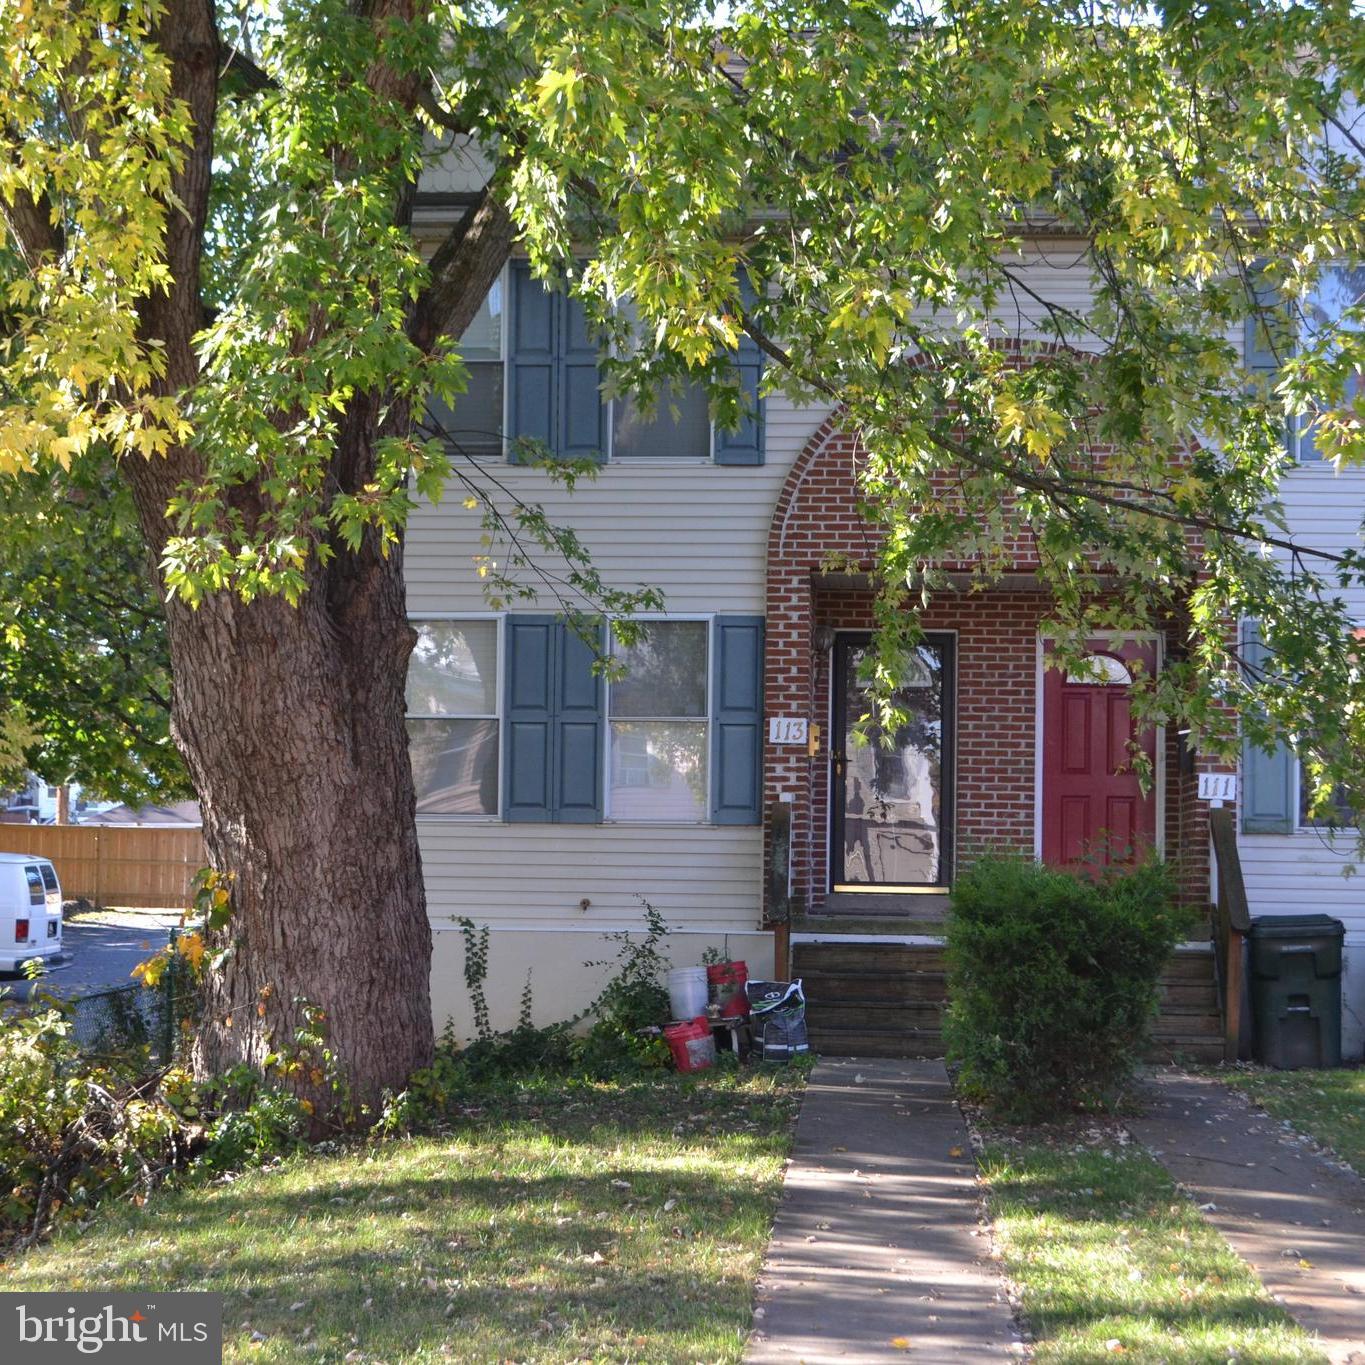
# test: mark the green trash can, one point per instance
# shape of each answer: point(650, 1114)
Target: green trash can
point(1296, 990)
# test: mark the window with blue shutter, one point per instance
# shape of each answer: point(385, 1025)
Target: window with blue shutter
point(554, 392)
point(1267, 777)
point(1271, 337)
point(673, 755)
point(744, 444)
point(552, 725)
point(553, 377)
point(1267, 341)
point(737, 720)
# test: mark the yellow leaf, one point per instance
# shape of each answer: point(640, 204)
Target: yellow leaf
point(191, 948)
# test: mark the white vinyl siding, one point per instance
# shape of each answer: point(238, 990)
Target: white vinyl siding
point(528, 876)
point(698, 532)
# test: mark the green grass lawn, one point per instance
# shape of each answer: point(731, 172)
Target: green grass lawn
point(1112, 1263)
point(555, 1223)
point(1326, 1105)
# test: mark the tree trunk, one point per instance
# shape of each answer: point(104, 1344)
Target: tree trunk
point(291, 721)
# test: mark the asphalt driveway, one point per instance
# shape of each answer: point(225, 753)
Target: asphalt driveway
point(102, 948)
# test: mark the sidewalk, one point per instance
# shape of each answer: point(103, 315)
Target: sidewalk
point(1295, 1217)
point(876, 1249)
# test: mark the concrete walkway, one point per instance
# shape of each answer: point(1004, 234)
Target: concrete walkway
point(877, 1253)
point(1295, 1217)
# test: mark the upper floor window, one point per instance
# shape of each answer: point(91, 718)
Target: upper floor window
point(453, 717)
point(534, 373)
point(475, 424)
point(1273, 334)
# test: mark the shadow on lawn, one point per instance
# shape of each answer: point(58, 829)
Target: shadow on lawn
point(417, 1261)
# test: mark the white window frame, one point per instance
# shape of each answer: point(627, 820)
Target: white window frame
point(609, 455)
point(500, 620)
point(1296, 430)
point(706, 718)
point(1318, 831)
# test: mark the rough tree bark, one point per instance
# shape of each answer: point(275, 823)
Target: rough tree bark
point(291, 719)
point(291, 722)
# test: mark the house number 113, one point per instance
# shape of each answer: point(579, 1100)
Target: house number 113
point(786, 730)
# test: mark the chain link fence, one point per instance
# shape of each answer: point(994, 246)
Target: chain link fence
point(160, 1018)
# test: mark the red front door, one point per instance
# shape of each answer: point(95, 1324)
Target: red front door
point(1094, 808)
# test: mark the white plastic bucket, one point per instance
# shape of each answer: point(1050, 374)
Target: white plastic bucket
point(687, 992)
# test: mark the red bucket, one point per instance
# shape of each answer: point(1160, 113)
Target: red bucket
point(725, 981)
point(691, 1044)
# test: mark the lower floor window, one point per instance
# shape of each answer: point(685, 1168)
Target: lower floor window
point(453, 725)
point(658, 770)
point(1337, 815)
point(658, 732)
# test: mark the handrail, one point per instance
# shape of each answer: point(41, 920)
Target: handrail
point(1233, 925)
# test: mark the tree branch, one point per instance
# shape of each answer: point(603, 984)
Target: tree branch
point(463, 271)
point(30, 225)
point(1038, 483)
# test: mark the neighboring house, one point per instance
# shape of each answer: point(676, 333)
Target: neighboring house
point(182, 814)
point(36, 804)
point(1292, 865)
point(720, 781)
point(33, 804)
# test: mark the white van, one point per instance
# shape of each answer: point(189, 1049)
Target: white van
point(30, 910)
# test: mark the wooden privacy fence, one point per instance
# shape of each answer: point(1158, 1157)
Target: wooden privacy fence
point(115, 864)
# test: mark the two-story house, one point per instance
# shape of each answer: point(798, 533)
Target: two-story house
point(721, 780)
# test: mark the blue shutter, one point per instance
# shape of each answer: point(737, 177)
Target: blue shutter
point(581, 427)
point(579, 721)
point(1266, 340)
point(737, 720)
point(1267, 778)
point(744, 445)
point(552, 725)
point(528, 718)
point(531, 359)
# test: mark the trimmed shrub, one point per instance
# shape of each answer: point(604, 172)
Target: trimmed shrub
point(1053, 982)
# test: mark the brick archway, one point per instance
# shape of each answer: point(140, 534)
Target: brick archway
point(816, 520)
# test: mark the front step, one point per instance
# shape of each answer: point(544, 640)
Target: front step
point(887, 1000)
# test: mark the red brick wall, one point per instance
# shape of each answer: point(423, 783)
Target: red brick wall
point(817, 528)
